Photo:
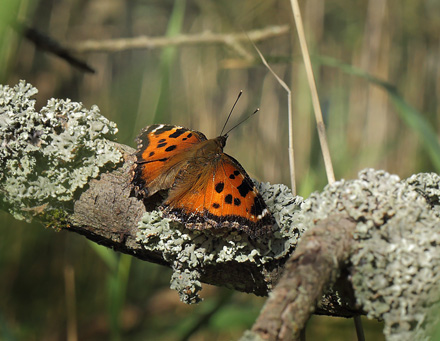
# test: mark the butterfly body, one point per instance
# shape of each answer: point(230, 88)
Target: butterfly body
point(206, 187)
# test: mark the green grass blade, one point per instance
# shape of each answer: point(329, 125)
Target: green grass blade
point(413, 118)
point(167, 58)
point(107, 255)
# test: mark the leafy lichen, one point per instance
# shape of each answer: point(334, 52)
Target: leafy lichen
point(47, 156)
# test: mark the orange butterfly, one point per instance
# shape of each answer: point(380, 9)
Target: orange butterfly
point(207, 188)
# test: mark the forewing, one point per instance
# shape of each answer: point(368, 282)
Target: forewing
point(161, 150)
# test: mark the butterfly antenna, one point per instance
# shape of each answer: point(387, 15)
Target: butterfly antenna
point(238, 97)
point(256, 110)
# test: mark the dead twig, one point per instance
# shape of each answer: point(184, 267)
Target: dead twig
point(44, 42)
point(289, 117)
point(146, 42)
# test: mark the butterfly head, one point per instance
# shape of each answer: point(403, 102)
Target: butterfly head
point(215, 146)
point(221, 140)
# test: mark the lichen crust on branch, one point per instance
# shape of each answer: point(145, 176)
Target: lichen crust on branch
point(190, 251)
point(47, 156)
point(395, 262)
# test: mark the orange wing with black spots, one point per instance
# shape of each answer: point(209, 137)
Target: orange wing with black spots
point(224, 197)
point(160, 156)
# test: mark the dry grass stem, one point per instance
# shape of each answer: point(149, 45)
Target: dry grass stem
point(315, 99)
point(290, 120)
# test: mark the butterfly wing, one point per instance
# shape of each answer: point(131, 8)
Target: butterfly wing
point(161, 155)
point(219, 194)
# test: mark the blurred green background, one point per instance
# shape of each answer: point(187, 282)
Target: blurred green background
point(377, 66)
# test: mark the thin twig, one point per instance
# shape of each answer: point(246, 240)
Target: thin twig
point(146, 42)
point(315, 99)
point(290, 119)
point(45, 43)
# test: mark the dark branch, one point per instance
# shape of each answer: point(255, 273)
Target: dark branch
point(45, 43)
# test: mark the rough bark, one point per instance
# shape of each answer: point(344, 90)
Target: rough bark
point(314, 266)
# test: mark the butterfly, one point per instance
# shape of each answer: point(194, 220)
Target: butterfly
point(207, 189)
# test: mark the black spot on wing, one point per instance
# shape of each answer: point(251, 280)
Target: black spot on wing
point(171, 148)
point(245, 187)
point(174, 132)
point(151, 154)
point(258, 206)
point(219, 187)
point(228, 199)
point(177, 133)
point(215, 205)
point(237, 202)
point(160, 145)
point(187, 136)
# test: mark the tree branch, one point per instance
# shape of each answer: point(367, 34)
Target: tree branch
point(61, 167)
point(314, 266)
point(146, 42)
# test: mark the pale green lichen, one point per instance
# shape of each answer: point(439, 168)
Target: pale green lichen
point(187, 284)
point(47, 156)
point(190, 250)
point(396, 260)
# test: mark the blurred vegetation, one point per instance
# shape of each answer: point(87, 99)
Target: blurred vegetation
point(377, 65)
